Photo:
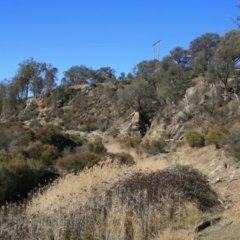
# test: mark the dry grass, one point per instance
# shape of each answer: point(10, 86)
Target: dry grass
point(91, 182)
point(91, 205)
point(170, 234)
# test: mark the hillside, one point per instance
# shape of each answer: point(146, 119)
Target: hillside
point(59, 133)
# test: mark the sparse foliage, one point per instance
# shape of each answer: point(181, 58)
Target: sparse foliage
point(223, 65)
point(97, 146)
point(33, 77)
point(83, 75)
point(132, 142)
point(181, 56)
point(125, 158)
point(194, 138)
point(172, 82)
point(78, 161)
point(147, 70)
point(216, 137)
point(78, 75)
point(141, 97)
point(202, 50)
point(154, 147)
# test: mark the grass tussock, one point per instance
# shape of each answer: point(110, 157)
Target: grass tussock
point(112, 201)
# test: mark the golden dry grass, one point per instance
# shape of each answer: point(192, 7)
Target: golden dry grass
point(77, 207)
point(74, 189)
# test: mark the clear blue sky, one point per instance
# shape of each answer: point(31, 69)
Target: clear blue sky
point(103, 33)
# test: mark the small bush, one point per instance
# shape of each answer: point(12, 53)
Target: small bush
point(125, 158)
point(132, 142)
point(54, 136)
point(194, 138)
point(177, 184)
point(97, 146)
point(19, 175)
point(215, 137)
point(26, 137)
point(233, 150)
point(88, 127)
point(89, 124)
point(154, 147)
point(44, 153)
point(231, 140)
point(78, 140)
point(9, 135)
point(78, 161)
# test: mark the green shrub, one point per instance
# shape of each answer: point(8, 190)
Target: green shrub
point(54, 136)
point(78, 140)
point(26, 137)
point(9, 133)
point(231, 140)
point(89, 124)
point(88, 127)
point(194, 138)
point(125, 158)
point(233, 150)
point(154, 147)
point(97, 146)
point(215, 137)
point(78, 161)
point(44, 153)
point(132, 142)
point(18, 176)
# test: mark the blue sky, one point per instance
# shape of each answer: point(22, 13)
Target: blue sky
point(118, 34)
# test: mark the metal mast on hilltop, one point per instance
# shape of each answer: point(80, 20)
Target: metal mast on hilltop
point(156, 49)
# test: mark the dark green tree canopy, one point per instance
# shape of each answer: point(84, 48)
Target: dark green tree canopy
point(83, 75)
point(78, 75)
point(202, 50)
point(139, 96)
point(103, 74)
point(147, 69)
point(181, 56)
point(225, 62)
point(172, 80)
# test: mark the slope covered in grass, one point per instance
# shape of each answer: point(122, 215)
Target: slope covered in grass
point(110, 201)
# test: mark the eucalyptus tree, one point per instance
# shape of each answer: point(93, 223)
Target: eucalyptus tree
point(147, 69)
point(180, 56)
point(202, 50)
point(34, 77)
point(225, 65)
point(78, 75)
